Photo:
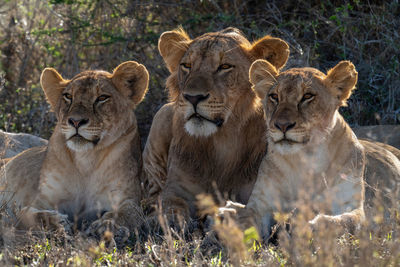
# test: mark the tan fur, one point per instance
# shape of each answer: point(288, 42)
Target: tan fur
point(314, 158)
point(185, 156)
point(94, 176)
point(388, 134)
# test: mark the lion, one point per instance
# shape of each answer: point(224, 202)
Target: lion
point(313, 155)
point(211, 136)
point(388, 134)
point(89, 173)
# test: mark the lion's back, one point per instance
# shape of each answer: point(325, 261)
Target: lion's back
point(382, 174)
point(19, 178)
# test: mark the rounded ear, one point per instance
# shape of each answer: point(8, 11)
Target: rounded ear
point(172, 46)
point(262, 76)
point(341, 80)
point(132, 80)
point(52, 84)
point(275, 50)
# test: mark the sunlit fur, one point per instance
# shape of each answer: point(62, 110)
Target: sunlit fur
point(198, 127)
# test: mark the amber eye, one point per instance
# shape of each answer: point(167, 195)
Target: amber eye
point(186, 66)
point(102, 98)
point(273, 97)
point(224, 67)
point(307, 96)
point(67, 97)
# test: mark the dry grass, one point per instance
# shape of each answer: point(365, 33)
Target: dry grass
point(299, 250)
point(295, 245)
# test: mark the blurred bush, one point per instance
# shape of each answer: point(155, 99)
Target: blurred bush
point(74, 35)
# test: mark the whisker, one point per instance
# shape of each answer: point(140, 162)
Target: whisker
point(229, 109)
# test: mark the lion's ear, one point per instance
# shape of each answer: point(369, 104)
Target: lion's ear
point(341, 80)
point(275, 50)
point(132, 80)
point(172, 46)
point(262, 76)
point(53, 85)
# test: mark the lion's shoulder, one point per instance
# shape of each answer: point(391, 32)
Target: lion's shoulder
point(155, 154)
point(165, 113)
point(162, 129)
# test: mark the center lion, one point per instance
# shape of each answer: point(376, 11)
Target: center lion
point(211, 136)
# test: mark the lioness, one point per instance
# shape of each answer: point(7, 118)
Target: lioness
point(89, 172)
point(313, 155)
point(388, 134)
point(211, 136)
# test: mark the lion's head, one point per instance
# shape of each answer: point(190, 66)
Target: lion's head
point(300, 104)
point(91, 107)
point(209, 75)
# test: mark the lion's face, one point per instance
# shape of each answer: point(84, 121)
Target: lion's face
point(210, 84)
point(89, 109)
point(95, 108)
point(209, 75)
point(300, 103)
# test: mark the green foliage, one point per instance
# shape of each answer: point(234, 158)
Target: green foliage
point(251, 237)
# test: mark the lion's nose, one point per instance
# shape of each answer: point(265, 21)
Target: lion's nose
point(195, 99)
point(77, 122)
point(284, 126)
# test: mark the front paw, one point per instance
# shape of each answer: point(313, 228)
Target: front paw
point(109, 231)
point(47, 219)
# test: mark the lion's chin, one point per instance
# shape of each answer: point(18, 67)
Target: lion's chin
point(286, 147)
point(80, 144)
point(200, 128)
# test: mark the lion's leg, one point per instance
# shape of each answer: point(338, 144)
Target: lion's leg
point(177, 202)
point(118, 223)
point(30, 217)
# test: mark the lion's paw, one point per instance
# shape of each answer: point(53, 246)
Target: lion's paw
point(109, 231)
point(48, 219)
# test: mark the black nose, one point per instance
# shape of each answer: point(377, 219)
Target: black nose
point(195, 99)
point(77, 122)
point(284, 126)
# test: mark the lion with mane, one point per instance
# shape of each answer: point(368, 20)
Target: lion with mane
point(211, 136)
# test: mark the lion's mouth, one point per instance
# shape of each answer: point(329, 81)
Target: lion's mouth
point(218, 122)
point(288, 141)
point(77, 138)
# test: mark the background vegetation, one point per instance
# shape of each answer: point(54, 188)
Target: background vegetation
point(74, 35)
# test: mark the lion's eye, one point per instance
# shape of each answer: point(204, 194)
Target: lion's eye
point(224, 67)
point(102, 98)
point(67, 97)
point(274, 97)
point(186, 66)
point(307, 96)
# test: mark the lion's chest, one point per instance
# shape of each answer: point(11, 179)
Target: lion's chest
point(74, 193)
point(223, 164)
point(287, 184)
